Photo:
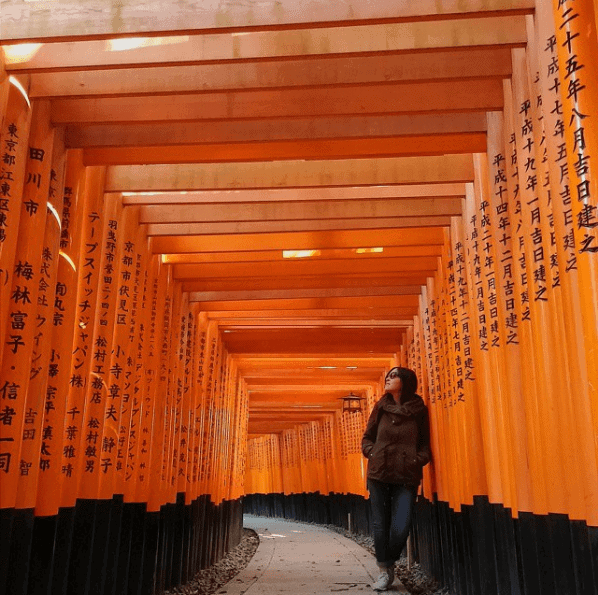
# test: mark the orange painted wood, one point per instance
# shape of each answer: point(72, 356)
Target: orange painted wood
point(93, 462)
point(566, 250)
point(87, 268)
point(577, 43)
point(400, 98)
point(13, 137)
point(501, 220)
point(303, 266)
point(40, 453)
point(340, 282)
point(347, 255)
point(532, 380)
point(438, 144)
point(332, 71)
point(290, 174)
point(140, 417)
point(254, 45)
point(263, 130)
point(298, 241)
point(293, 211)
point(242, 227)
point(23, 411)
point(95, 20)
point(117, 379)
point(295, 194)
point(63, 331)
point(160, 431)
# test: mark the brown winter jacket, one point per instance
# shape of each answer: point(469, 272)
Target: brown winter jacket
point(396, 440)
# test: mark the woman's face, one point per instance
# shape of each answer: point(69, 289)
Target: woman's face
point(393, 383)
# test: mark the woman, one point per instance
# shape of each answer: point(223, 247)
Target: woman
point(396, 442)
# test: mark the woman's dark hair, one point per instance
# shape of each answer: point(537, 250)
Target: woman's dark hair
point(408, 378)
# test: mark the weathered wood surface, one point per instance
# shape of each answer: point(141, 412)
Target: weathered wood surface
point(35, 20)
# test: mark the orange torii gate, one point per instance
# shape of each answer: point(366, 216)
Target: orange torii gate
point(145, 323)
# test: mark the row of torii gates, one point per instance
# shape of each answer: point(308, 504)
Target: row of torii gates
point(219, 219)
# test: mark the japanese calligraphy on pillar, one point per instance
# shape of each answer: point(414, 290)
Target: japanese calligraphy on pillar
point(162, 294)
point(164, 374)
point(62, 321)
point(13, 151)
point(531, 208)
point(117, 383)
point(40, 450)
point(554, 128)
point(501, 220)
point(460, 314)
point(478, 286)
point(75, 433)
point(147, 374)
point(514, 209)
point(576, 46)
point(20, 414)
point(130, 430)
point(98, 407)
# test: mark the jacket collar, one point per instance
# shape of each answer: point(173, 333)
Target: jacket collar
point(410, 408)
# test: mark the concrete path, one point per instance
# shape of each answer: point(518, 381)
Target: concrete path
point(304, 559)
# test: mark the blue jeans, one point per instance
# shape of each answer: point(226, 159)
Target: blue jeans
point(392, 508)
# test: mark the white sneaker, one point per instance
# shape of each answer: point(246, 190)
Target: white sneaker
point(384, 580)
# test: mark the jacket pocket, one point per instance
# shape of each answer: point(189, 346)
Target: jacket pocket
point(376, 460)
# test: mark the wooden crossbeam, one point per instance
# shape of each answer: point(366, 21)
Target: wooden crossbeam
point(334, 239)
point(292, 211)
point(408, 302)
point(489, 62)
point(295, 194)
point(211, 47)
point(195, 229)
point(396, 98)
point(233, 131)
point(23, 20)
point(437, 144)
point(302, 267)
point(290, 174)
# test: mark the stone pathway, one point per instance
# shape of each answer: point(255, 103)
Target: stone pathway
point(303, 559)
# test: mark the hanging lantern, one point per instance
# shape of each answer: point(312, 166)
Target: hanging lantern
point(351, 403)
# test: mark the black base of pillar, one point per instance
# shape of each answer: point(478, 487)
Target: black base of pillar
point(108, 547)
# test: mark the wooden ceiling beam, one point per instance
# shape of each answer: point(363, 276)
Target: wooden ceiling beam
point(485, 62)
point(437, 144)
point(369, 312)
point(341, 377)
point(287, 294)
point(298, 384)
point(301, 267)
point(233, 131)
point(295, 194)
point(253, 361)
point(277, 255)
point(396, 98)
point(290, 174)
point(225, 324)
point(309, 282)
point(24, 20)
point(292, 211)
point(408, 302)
point(250, 227)
point(193, 48)
point(316, 344)
point(336, 239)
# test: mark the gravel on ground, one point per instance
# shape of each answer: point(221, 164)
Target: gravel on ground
point(208, 581)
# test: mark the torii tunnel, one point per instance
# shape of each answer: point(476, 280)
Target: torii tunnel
point(220, 218)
